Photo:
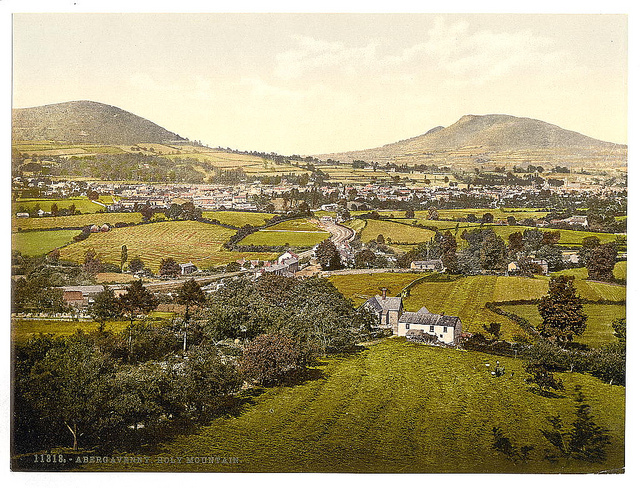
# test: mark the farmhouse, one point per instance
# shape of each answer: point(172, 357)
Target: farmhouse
point(446, 328)
point(428, 265)
point(286, 265)
point(80, 296)
point(387, 309)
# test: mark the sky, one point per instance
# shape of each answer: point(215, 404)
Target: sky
point(320, 83)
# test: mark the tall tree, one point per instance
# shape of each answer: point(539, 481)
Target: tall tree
point(105, 306)
point(92, 264)
point(124, 255)
point(327, 255)
point(600, 262)
point(190, 295)
point(561, 311)
point(136, 300)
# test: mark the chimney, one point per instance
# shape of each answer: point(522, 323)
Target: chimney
point(384, 293)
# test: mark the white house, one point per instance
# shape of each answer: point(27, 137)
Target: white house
point(188, 268)
point(428, 265)
point(446, 328)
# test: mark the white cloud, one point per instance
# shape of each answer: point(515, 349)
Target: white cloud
point(449, 48)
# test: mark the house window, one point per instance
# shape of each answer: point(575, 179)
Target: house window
point(444, 329)
point(408, 326)
point(432, 328)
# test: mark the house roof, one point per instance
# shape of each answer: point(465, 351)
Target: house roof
point(84, 289)
point(390, 303)
point(424, 317)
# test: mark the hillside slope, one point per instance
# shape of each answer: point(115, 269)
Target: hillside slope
point(86, 122)
point(491, 137)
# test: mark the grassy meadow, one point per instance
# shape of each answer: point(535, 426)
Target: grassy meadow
point(77, 221)
point(360, 287)
point(184, 241)
point(398, 233)
point(397, 407)
point(599, 318)
point(83, 204)
point(238, 219)
point(23, 329)
point(466, 297)
point(270, 237)
point(41, 242)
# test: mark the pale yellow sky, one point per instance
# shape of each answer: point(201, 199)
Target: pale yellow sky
point(316, 83)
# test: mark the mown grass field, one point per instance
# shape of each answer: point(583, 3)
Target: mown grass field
point(619, 271)
point(238, 219)
point(184, 241)
point(466, 298)
point(74, 220)
point(270, 237)
point(359, 287)
point(397, 407)
point(83, 204)
point(599, 318)
point(296, 225)
point(399, 233)
point(41, 242)
point(23, 329)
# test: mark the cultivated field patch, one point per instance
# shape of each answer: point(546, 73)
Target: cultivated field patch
point(238, 219)
point(77, 221)
point(183, 241)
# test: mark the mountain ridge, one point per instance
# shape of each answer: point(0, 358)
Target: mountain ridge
point(488, 135)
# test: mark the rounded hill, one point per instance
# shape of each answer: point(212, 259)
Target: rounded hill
point(86, 121)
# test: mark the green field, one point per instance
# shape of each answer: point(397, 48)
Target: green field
point(83, 204)
point(184, 241)
point(41, 242)
point(619, 271)
point(23, 329)
point(599, 318)
point(466, 298)
point(359, 287)
point(397, 407)
point(297, 225)
point(238, 219)
point(300, 239)
point(399, 233)
point(74, 220)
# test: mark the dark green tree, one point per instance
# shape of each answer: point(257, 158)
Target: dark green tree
point(136, 265)
point(190, 295)
point(600, 262)
point(327, 255)
point(105, 307)
point(137, 300)
point(269, 359)
point(561, 311)
point(169, 267)
point(92, 264)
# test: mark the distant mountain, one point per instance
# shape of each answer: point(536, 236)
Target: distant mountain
point(86, 122)
point(493, 138)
